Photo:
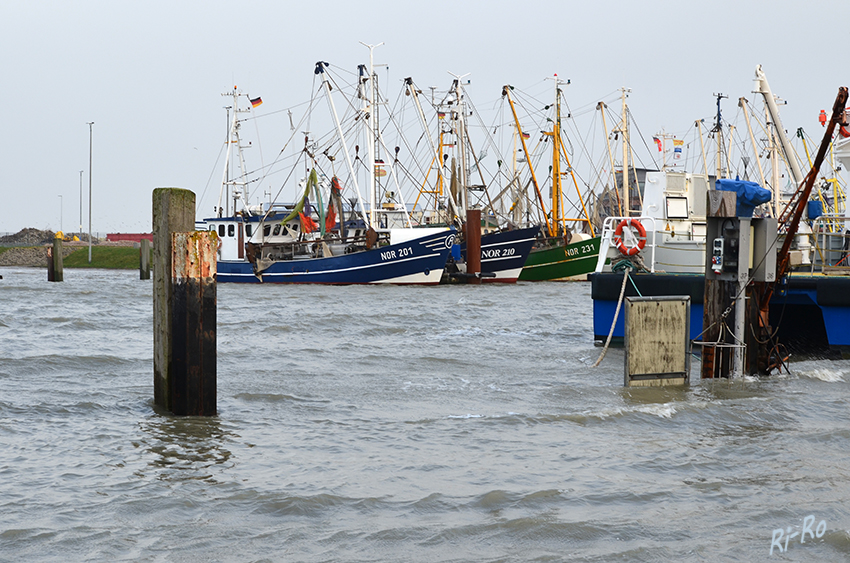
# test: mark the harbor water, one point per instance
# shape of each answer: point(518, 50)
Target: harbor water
point(371, 423)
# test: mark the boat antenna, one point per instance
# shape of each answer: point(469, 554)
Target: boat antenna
point(718, 125)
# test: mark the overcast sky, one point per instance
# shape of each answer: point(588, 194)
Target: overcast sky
point(150, 76)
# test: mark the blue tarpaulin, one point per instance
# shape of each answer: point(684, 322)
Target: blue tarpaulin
point(750, 194)
point(814, 209)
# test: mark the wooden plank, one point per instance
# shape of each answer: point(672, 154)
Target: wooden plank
point(657, 341)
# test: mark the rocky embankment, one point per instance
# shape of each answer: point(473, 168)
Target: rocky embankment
point(31, 256)
point(34, 253)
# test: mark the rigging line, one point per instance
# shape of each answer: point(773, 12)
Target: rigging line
point(634, 122)
point(212, 172)
point(291, 137)
point(259, 144)
point(342, 70)
point(269, 113)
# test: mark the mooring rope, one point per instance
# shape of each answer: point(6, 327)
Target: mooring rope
point(616, 315)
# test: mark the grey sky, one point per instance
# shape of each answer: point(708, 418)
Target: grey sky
point(150, 75)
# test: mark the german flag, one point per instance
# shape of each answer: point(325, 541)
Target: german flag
point(255, 101)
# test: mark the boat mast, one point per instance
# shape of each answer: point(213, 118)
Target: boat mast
point(320, 69)
point(742, 102)
point(601, 107)
point(233, 139)
point(371, 116)
point(698, 123)
point(718, 126)
point(763, 88)
point(461, 143)
point(557, 211)
point(506, 91)
point(625, 132)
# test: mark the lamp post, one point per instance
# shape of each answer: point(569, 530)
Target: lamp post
point(81, 204)
point(90, 123)
point(60, 215)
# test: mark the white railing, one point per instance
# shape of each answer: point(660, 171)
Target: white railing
point(606, 242)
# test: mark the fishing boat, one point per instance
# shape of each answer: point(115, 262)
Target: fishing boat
point(810, 305)
point(504, 248)
point(559, 253)
point(341, 243)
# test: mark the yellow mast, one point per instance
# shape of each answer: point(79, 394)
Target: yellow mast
point(506, 91)
point(557, 190)
point(557, 212)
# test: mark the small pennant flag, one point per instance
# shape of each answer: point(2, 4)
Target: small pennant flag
point(441, 115)
point(256, 101)
point(657, 142)
point(526, 135)
point(677, 148)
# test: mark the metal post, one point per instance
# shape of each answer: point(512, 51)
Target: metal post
point(81, 203)
point(90, 123)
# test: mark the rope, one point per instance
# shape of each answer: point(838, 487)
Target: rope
point(616, 315)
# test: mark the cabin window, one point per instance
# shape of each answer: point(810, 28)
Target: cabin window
point(249, 230)
point(677, 208)
point(295, 227)
point(276, 230)
point(221, 230)
point(266, 230)
point(698, 231)
point(231, 231)
point(212, 227)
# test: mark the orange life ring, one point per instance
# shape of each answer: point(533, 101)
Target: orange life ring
point(621, 244)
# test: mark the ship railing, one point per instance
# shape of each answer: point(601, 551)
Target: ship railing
point(832, 244)
point(650, 224)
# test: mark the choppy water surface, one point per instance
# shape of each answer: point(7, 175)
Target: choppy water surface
point(397, 424)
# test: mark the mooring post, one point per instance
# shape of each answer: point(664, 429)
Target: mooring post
point(145, 259)
point(54, 261)
point(193, 323)
point(473, 245)
point(183, 323)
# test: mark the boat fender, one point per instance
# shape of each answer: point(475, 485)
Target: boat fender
point(621, 243)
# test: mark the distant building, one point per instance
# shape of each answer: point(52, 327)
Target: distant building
point(133, 237)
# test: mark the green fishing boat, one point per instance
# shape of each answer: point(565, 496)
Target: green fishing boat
point(561, 262)
point(563, 253)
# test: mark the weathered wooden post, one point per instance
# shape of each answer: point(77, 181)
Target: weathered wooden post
point(145, 259)
point(184, 300)
point(473, 245)
point(54, 262)
point(193, 323)
point(657, 341)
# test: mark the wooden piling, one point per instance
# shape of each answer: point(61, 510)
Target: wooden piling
point(145, 259)
point(173, 211)
point(193, 323)
point(55, 271)
point(473, 245)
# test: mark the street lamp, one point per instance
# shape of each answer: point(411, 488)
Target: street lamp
point(81, 204)
point(90, 123)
